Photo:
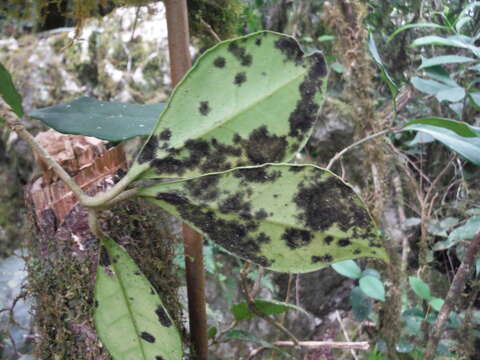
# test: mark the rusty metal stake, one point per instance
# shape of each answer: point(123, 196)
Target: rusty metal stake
point(180, 62)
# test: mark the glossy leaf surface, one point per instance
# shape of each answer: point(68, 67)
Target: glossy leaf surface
point(129, 316)
point(246, 101)
point(9, 93)
point(111, 121)
point(372, 287)
point(241, 310)
point(289, 218)
point(458, 136)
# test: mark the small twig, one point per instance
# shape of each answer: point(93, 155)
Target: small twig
point(361, 345)
point(351, 146)
point(298, 287)
point(210, 30)
point(251, 305)
point(453, 295)
point(345, 333)
point(258, 282)
point(16, 125)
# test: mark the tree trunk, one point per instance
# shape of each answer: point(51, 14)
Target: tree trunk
point(63, 253)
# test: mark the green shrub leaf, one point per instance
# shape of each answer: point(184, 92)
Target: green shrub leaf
point(9, 93)
point(458, 136)
point(241, 310)
point(246, 101)
point(443, 92)
point(111, 121)
point(458, 41)
point(372, 287)
point(361, 305)
point(446, 59)
point(348, 268)
point(289, 218)
point(129, 316)
point(420, 288)
point(436, 303)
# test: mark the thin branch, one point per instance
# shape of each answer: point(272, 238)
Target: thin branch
point(345, 333)
point(361, 345)
point(99, 200)
point(251, 305)
point(453, 295)
point(351, 146)
point(210, 30)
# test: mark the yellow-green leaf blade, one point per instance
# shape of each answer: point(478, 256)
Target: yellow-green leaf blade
point(129, 316)
point(289, 218)
point(246, 101)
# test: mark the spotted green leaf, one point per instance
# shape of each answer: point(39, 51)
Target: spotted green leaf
point(246, 101)
point(288, 218)
point(129, 316)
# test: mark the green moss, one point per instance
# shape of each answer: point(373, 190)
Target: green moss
point(225, 17)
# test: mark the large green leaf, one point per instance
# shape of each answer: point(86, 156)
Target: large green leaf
point(458, 136)
point(246, 101)
point(129, 316)
point(289, 218)
point(241, 311)
point(111, 121)
point(420, 287)
point(348, 268)
point(372, 287)
point(9, 93)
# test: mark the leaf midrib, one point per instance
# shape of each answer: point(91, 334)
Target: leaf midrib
point(129, 309)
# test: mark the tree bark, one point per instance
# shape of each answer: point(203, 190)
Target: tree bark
point(63, 254)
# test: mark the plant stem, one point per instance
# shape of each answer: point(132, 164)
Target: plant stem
point(453, 295)
point(349, 147)
point(180, 62)
point(99, 200)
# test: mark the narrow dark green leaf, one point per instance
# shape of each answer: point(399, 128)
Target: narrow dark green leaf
point(348, 268)
point(111, 121)
point(459, 127)
point(246, 101)
point(420, 288)
point(411, 26)
point(289, 218)
point(9, 93)
point(241, 310)
point(384, 73)
point(372, 287)
point(455, 41)
point(129, 316)
point(447, 59)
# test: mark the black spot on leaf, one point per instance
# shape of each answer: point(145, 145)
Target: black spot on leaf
point(328, 240)
point(240, 54)
point(357, 251)
point(104, 258)
point(149, 150)
point(96, 303)
point(263, 147)
point(263, 238)
point(258, 42)
point(220, 62)
point(204, 108)
point(158, 357)
point(344, 242)
point(165, 135)
point(163, 317)
point(172, 198)
point(257, 175)
point(325, 258)
point(261, 214)
point(147, 337)
point(296, 238)
point(290, 49)
point(240, 78)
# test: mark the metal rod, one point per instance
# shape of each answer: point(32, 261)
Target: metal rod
point(180, 62)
